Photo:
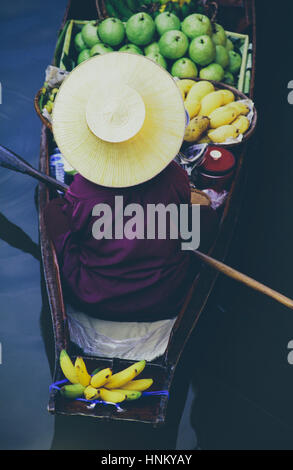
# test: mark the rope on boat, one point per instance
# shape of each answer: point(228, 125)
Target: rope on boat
point(55, 385)
point(159, 392)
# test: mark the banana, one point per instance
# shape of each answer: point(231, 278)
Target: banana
point(126, 375)
point(211, 102)
point(221, 134)
point(67, 367)
point(83, 376)
point(242, 108)
point(242, 124)
point(223, 116)
point(139, 385)
point(197, 92)
point(184, 86)
point(204, 140)
point(228, 96)
point(114, 396)
point(192, 107)
point(200, 89)
point(91, 393)
point(196, 128)
point(99, 379)
point(130, 394)
point(72, 391)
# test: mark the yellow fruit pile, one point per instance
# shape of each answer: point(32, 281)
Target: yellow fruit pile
point(215, 116)
point(102, 384)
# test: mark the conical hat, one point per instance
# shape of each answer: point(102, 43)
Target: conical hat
point(119, 119)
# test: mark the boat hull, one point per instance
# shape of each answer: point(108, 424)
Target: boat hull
point(151, 410)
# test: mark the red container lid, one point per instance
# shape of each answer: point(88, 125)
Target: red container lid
point(218, 161)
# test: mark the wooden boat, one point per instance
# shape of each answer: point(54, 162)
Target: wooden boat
point(237, 15)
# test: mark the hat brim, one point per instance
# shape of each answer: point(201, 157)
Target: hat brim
point(141, 157)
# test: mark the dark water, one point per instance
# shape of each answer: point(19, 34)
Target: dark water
point(245, 383)
point(237, 360)
point(28, 34)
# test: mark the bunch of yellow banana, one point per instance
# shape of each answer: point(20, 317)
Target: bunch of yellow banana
point(215, 116)
point(102, 384)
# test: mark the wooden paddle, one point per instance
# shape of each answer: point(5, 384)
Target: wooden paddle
point(248, 281)
point(12, 161)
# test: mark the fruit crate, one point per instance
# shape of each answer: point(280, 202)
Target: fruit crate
point(60, 45)
point(241, 45)
point(66, 56)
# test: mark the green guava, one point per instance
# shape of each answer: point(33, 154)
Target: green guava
point(222, 56)
point(202, 50)
point(228, 78)
point(152, 48)
point(173, 44)
point(235, 62)
point(79, 43)
point(89, 34)
point(167, 21)
point(219, 35)
point(158, 58)
point(184, 68)
point(212, 72)
point(132, 48)
point(140, 29)
point(229, 45)
point(99, 49)
point(196, 25)
point(83, 55)
point(111, 31)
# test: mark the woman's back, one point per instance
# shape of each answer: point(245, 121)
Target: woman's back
point(121, 278)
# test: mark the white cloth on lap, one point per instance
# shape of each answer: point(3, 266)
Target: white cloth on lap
point(124, 340)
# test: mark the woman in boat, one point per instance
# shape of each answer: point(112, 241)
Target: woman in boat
point(118, 134)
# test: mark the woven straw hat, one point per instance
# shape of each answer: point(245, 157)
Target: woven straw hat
point(119, 119)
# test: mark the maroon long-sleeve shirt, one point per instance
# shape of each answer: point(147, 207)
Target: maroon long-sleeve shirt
point(125, 280)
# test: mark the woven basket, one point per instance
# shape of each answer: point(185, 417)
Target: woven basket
point(39, 112)
point(239, 96)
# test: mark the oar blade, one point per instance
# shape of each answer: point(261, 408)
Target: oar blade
point(12, 161)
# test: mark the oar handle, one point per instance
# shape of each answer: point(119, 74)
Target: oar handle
point(10, 160)
point(248, 281)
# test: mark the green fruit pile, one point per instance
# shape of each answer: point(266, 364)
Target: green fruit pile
point(188, 49)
